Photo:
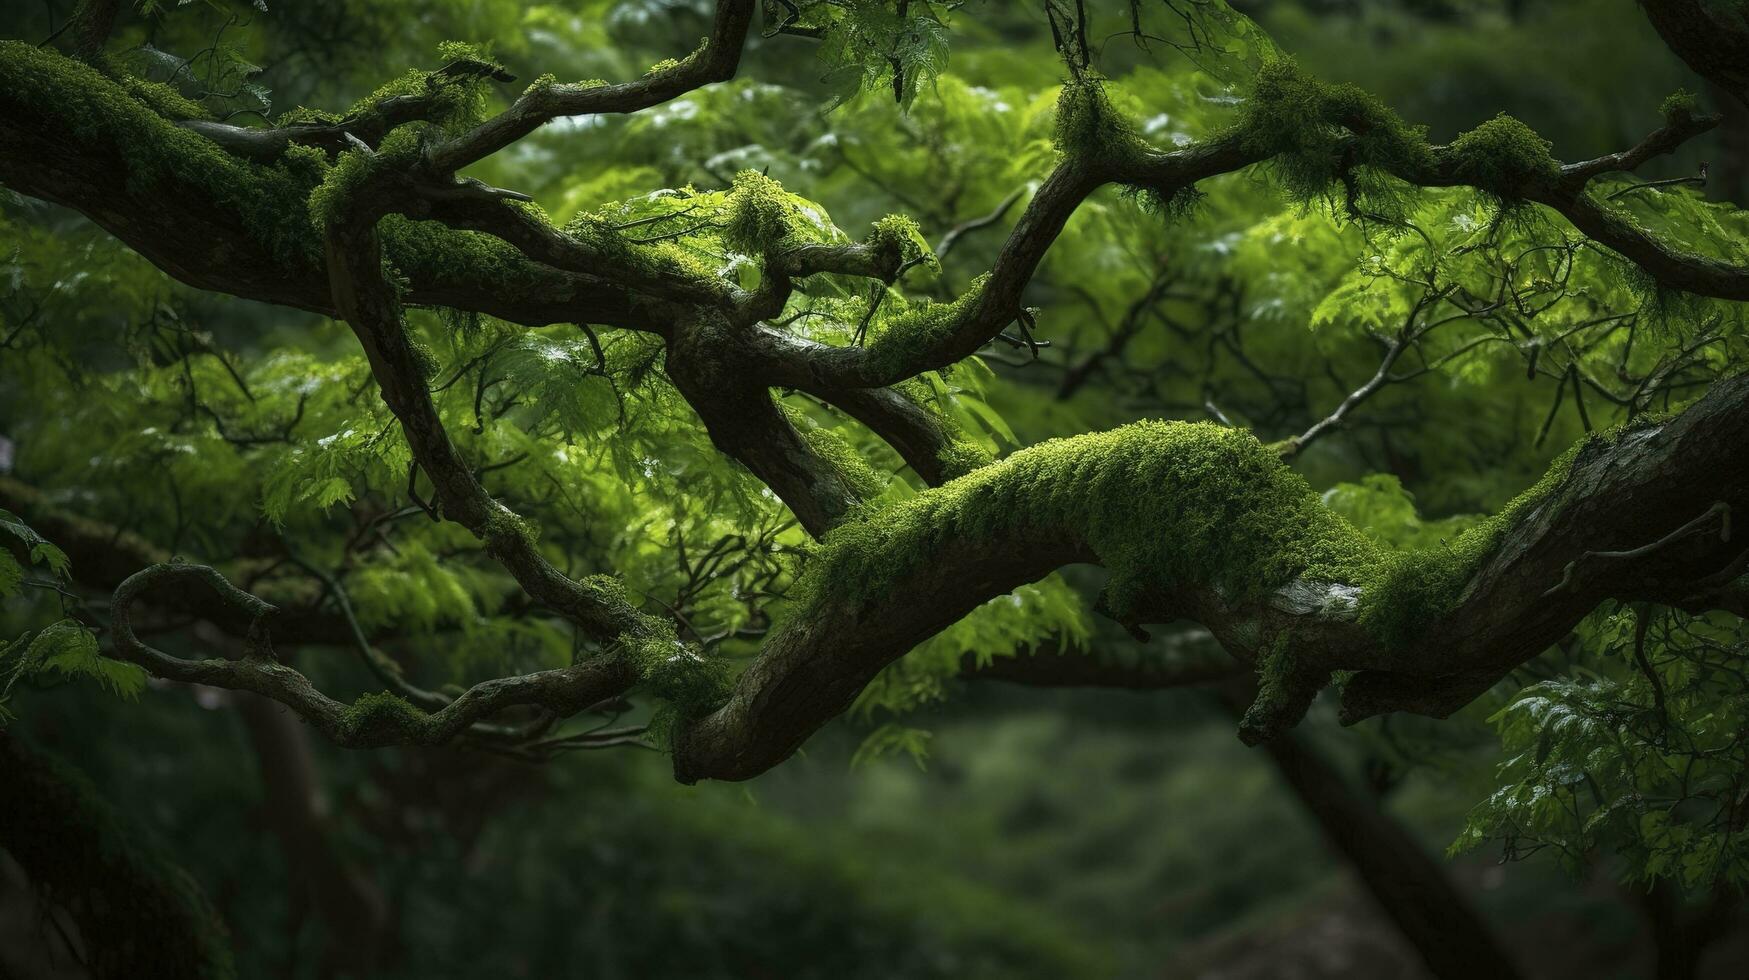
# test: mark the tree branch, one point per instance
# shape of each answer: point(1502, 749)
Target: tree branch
point(715, 62)
point(370, 722)
point(1643, 486)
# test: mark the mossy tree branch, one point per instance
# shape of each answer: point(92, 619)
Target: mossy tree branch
point(1194, 522)
point(1423, 638)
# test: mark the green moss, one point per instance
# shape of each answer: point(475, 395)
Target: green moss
point(1170, 504)
point(353, 170)
point(429, 365)
point(450, 51)
point(907, 338)
point(1183, 202)
point(959, 457)
point(382, 718)
point(1679, 106)
point(1286, 687)
point(1414, 589)
point(457, 102)
point(544, 83)
point(1504, 157)
point(688, 683)
point(1089, 125)
point(900, 235)
point(505, 527)
point(164, 99)
point(831, 446)
point(1161, 503)
point(304, 115)
point(666, 64)
point(664, 258)
point(426, 251)
point(161, 158)
point(758, 214)
point(1313, 131)
point(271, 203)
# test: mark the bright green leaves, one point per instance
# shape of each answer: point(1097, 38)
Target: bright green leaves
point(411, 589)
point(1048, 611)
point(17, 536)
point(1380, 507)
point(64, 650)
point(558, 381)
point(1638, 752)
point(328, 471)
point(890, 739)
point(876, 45)
point(69, 649)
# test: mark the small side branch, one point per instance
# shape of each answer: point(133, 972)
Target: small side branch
point(1720, 511)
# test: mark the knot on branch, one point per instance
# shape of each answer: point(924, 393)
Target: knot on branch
point(130, 646)
point(1286, 687)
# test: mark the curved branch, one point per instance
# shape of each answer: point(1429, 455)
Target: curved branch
point(1710, 37)
point(372, 721)
point(368, 304)
point(541, 104)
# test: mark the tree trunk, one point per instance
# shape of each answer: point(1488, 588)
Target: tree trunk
point(1409, 887)
point(348, 904)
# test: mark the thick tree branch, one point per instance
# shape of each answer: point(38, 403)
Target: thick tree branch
point(1710, 36)
point(1617, 495)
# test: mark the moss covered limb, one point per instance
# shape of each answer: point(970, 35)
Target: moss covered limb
point(1319, 140)
point(137, 913)
point(1201, 522)
point(72, 135)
